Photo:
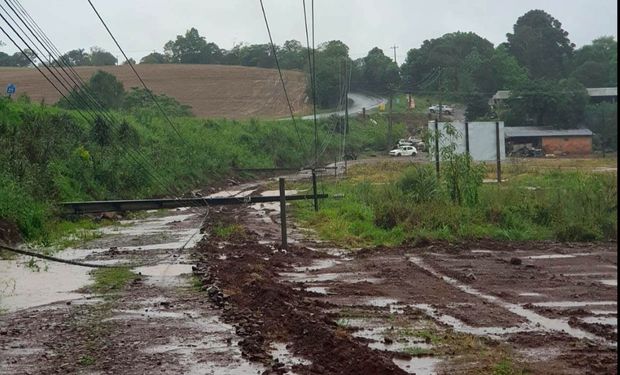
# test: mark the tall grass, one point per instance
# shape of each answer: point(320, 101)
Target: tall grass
point(559, 205)
point(48, 155)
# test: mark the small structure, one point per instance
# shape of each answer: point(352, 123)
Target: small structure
point(597, 95)
point(549, 140)
point(482, 139)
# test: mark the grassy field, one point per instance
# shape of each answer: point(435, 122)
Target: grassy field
point(391, 203)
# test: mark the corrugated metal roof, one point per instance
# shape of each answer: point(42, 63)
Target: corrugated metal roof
point(595, 91)
point(603, 91)
point(533, 131)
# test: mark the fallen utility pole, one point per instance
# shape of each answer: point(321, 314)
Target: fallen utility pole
point(78, 208)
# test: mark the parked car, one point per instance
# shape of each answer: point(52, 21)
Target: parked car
point(446, 110)
point(404, 151)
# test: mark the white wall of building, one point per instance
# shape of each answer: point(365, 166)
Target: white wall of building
point(482, 144)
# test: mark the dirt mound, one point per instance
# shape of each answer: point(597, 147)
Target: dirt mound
point(213, 91)
point(241, 277)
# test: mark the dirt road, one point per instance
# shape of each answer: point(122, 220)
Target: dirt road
point(238, 304)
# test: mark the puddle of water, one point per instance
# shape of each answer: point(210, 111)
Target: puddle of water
point(601, 320)
point(277, 192)
point(533, 318)
point(604, 312)
point(22, 288)
point(266, 206)
point(316, 265)
point(380, 301)
point(350, 278)
point(165, 270)
point(611, 282)
point(532, 294)
point(318, 289)
point(482, 251)
point(559, 256)
point(418, 366)
point(283, 355)
point(588, 274)
point(575, 303)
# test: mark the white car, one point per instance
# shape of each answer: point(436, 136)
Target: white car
point(445, 109)
point(404, 151)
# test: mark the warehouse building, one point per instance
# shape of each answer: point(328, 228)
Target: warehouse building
point(549, 140)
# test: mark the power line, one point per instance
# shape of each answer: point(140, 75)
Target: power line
point(312, 70)
point(275, 55)
point(153, 98)
point(49, 67)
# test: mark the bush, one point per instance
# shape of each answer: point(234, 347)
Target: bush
point(420, 184)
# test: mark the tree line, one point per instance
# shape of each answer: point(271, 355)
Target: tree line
point(538, 63)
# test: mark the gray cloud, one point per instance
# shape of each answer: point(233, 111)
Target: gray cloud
point(145, 25)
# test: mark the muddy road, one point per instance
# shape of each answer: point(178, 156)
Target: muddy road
point(225, 299)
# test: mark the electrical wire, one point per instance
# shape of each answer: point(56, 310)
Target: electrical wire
point(131, 65)
point(52, 71)
point(275, 55)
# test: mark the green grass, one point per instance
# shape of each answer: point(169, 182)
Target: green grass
point(227, 231)
point(417, 351)
point(507, 367)
point(110, 280)
point(86, 360)
point(564, 205)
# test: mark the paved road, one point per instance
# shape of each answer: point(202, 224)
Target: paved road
point(360, 101)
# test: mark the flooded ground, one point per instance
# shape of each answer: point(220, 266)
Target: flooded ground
point(207, 304)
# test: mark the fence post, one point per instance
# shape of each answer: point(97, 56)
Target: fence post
point(314, 192)
point(437, 147)
point(498, 156)
point(467, 138)
point(283, 213)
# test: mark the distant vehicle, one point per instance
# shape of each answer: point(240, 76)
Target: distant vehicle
point(415, 142)
point(404, 151)
point(445, 109)
point(404, 142)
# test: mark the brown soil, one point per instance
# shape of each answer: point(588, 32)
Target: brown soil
point(9, 233)
point(248, 281)
point(213, 91)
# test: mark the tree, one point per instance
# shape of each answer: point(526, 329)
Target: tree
point(378, 73)
point(192, 48)
point(602, 119)
point(105, 88)
point(259, 55)
point(100, 57)
point(292, 55)
point(448, 53)
point(76, 57)
point(539, 43)
point(108, 90)
point(154, 58)
point(131, 60)
point(329, 57)
point(595, 65)
point(559, 104)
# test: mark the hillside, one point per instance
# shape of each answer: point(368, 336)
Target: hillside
point(235, 92)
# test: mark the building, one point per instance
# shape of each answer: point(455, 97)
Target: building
point(549, 140)
point(597, 95)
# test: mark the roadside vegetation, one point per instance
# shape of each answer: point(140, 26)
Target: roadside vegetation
point(50, 155)
point(391, 203)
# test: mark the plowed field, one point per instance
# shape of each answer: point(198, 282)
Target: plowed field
point(211, 90)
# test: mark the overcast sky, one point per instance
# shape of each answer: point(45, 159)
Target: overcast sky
point(142, 26)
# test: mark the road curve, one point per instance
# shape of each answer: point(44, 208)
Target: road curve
point(360, 101)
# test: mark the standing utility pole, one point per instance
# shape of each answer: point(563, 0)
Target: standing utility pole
point(394, 48)
point(389, 137)
point(347, 76)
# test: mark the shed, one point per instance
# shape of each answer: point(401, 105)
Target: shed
point(550, 140)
